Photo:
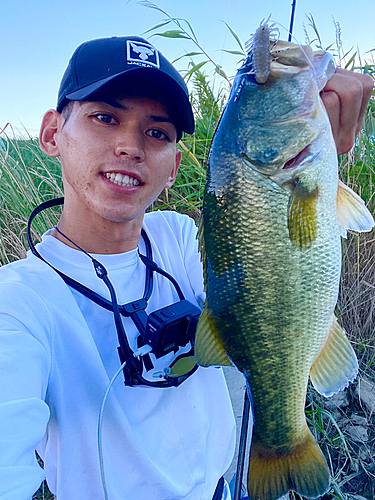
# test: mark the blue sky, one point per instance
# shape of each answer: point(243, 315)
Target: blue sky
point(38, 37)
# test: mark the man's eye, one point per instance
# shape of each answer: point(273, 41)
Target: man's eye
point(105, 118)
point(157, 134)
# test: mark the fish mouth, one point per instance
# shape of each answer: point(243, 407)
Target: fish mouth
point(273, 170)
point(298, 159)
point(293, 167)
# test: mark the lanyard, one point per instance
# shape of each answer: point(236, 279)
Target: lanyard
point(135, 310)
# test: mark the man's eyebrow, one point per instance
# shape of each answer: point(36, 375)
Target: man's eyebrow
point(113, 103)
point(160, 119)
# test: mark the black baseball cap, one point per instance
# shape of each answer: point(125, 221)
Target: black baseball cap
point(134, 60)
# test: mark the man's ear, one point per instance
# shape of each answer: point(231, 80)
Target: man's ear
point(172, 177)
point(51, 124)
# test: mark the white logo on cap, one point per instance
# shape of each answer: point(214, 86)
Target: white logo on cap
point(141, 54)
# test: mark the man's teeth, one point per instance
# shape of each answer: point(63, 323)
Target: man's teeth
point(122, 180)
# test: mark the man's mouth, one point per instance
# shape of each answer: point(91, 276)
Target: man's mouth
point(121, 180)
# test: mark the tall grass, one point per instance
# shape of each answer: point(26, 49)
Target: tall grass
point(186, 196)
point(27, 178)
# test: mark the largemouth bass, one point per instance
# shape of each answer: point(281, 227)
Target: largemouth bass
point(274, 212)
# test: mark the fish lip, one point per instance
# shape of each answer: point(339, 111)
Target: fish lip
point(305, 156)
point(299, 158)
point(261, 167)
point(286, 176)
point(278, 171)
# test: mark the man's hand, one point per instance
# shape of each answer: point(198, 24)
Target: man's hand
point(345, 97)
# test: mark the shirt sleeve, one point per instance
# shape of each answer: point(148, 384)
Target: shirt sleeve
point(25, 362)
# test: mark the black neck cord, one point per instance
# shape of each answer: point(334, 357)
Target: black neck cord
point(133, 368)
point(99, 268)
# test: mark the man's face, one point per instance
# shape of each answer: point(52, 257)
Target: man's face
point(116, 157)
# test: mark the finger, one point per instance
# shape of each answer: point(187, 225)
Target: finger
point(350, 94)
point(331, 102)
point(343, 115)
point(346, 96)
point(367, 86)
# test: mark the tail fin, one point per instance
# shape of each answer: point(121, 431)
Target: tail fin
point(303, 470)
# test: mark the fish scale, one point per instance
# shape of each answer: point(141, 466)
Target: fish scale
point(278, 306)
point(271, 251)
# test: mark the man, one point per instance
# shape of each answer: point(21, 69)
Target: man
point(121, 109)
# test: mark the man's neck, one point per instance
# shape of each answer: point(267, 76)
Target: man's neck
point(109, 238)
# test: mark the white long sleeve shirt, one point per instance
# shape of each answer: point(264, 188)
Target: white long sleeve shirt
point(58, 353)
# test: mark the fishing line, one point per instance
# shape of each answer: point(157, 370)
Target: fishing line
point(100, 430)
point(287, 30)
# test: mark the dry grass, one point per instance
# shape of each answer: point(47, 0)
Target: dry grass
point(356, 305)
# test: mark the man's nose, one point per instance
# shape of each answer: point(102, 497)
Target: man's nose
point(130, 144)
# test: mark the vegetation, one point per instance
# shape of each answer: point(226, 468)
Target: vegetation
point(28, 177)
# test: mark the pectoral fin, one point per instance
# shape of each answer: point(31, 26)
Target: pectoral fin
point(351, 211)
point(209, 349)
point(336, 365)
point(302, 217)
